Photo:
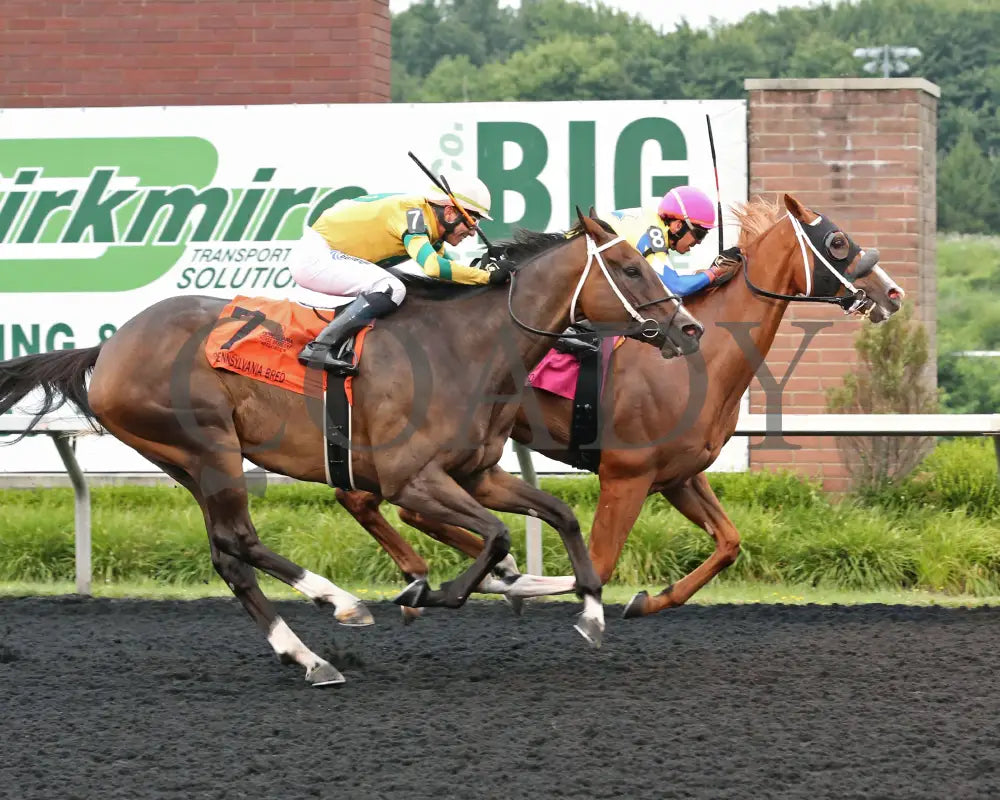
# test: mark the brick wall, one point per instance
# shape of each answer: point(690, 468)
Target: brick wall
point(193, 52)
point(862, 151)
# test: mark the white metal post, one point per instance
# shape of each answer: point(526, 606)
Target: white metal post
point(64, 444)
point(533, 525)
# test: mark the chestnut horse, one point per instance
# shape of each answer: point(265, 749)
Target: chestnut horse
point(430, 417)
point(669, 420)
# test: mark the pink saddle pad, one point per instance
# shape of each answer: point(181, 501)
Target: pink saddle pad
point(557, 373)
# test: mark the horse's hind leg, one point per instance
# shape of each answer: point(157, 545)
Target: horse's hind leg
point(242, 581)
point(287, 646)
point(233, 532)
point(221, 493)
point(364, 507)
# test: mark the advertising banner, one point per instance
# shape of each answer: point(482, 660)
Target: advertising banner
point(105, 211)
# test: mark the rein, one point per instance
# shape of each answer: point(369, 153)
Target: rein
point(647, 328)
point(853, 302)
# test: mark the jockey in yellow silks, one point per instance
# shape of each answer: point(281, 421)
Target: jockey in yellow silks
point(345, 251)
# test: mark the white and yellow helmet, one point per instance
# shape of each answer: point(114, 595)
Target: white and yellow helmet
point(468, 190)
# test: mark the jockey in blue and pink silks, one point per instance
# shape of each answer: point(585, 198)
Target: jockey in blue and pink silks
point(681, 221)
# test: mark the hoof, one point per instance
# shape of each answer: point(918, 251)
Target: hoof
point(356, 616)
point(591, 629)
point(324, 674)
point(411, 615)
point(636, 606)
point(414, 595)
point(516, 604)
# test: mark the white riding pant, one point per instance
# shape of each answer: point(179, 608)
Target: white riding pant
point(318, 268)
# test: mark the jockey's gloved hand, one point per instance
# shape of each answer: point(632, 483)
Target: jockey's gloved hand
point(500, 271)
point(726, 264)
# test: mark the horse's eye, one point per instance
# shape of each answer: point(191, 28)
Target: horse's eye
point(838, 246)
point(632, 272)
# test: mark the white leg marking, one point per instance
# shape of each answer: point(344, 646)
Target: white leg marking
point(316, 587)
point(491, 584)
point(539, 585)
point(285, 643)
point(507, 566)
point(592, 609)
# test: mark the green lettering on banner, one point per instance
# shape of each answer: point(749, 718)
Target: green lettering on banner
point(582, 173)
point(522, 178)
point(93, 218)
point(628, 159)
point(248, 205)
point(334, 197)
point(40, 213)
point(181, 203)
point(101, 212)
point(22, 344)
point(284, 201)
point(60, 330)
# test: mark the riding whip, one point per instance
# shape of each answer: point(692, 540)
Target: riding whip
point(442, 183)
point(715, 166)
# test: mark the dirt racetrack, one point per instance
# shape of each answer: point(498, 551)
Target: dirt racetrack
point(132, 699)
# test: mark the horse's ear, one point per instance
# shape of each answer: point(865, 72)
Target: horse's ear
point(589, 226)
point(796, 209)
point(593, 213)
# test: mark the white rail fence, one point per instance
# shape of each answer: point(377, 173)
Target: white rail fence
point(64, 430)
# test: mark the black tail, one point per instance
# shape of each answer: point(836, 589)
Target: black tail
point(61, 375)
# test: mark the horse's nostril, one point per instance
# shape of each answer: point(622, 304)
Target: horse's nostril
point(895, 295)
point(694, 331)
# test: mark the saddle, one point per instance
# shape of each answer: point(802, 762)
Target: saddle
point(575, 369)
point(260, 338)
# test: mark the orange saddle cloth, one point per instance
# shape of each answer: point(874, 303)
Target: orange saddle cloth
point(261, 338)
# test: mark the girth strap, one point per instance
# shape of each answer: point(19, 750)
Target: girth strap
point(585, 425)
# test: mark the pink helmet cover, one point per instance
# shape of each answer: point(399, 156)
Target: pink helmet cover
point(689, 204)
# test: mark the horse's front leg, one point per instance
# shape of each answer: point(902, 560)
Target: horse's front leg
point(696, 501)
point(435, 494)
point(618, 507)
point(497, 582)
point(501, 491)
point(364, 507)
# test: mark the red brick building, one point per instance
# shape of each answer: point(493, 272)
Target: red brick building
point(195, 52)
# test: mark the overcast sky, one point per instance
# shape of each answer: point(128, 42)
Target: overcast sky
point(665, 14)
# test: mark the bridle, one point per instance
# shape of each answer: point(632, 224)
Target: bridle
point(646, 327)
point(855, 301)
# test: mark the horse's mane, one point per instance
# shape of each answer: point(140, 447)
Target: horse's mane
point(523, 247)
point(755, 217)
point(527, 244)
point(428, 288)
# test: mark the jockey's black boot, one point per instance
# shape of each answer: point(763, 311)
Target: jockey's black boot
point(322, 351)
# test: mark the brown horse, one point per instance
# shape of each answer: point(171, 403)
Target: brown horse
point(666, 422)
point(428, 427)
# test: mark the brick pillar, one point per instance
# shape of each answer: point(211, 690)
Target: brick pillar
point(199, 52)
point(864, 152)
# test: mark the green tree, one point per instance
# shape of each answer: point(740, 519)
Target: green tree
point(966, 189)
point(891, 377)
point(451, 50)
